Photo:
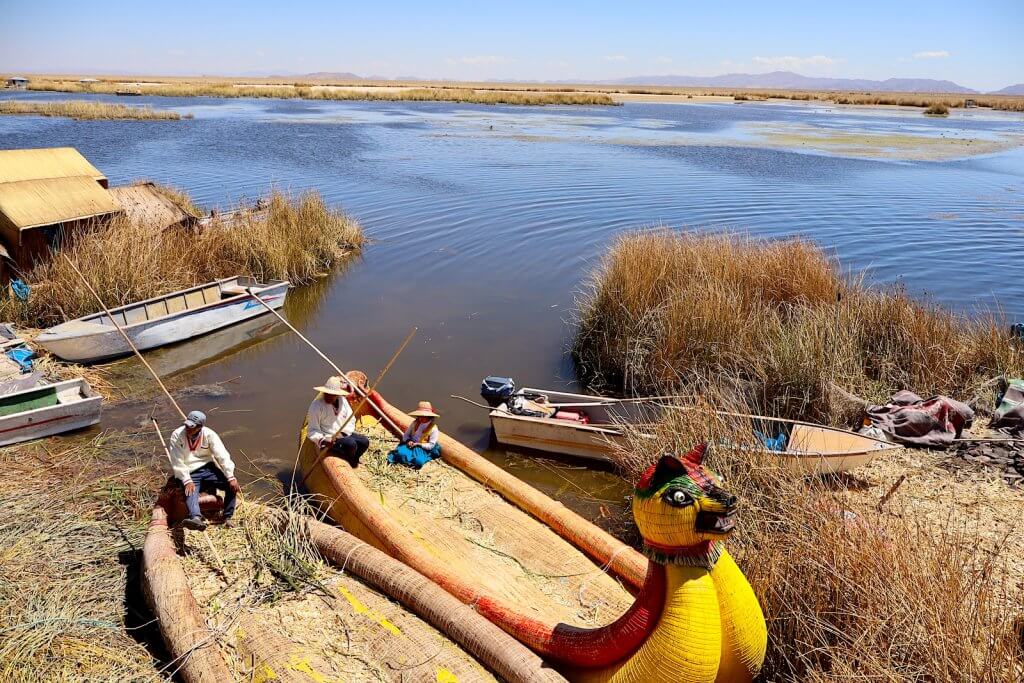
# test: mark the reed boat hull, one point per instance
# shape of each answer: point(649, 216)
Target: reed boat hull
point(50, 409)
point(378, 521)
point(154, 323)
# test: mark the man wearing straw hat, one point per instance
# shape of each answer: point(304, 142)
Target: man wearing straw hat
point(199, 460)
point(328, 423)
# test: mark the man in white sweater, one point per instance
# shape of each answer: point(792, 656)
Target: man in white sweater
point(200, 461)
point(328, 423)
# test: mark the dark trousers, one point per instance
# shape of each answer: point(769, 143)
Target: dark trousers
point(209, 478)
point(351, 447)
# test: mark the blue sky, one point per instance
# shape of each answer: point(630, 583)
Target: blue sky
point(977, 44)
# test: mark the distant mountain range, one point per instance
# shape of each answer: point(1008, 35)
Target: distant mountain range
point(787, 80)
point(774, 80)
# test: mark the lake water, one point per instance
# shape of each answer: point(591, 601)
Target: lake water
point(486, 220)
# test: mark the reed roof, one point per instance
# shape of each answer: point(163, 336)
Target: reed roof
point(53, 162)
point(40, 187)
point(35, 203)
point(143, 203)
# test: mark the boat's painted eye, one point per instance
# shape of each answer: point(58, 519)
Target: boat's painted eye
point(677, 498)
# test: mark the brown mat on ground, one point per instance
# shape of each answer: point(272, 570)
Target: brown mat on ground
point(506, 551)
point(281, 609)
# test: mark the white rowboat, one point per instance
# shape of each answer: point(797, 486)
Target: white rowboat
point(810, 449)
point(48, 410)
point(162, 320)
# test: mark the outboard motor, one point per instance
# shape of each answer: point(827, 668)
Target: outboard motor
point(497, 390)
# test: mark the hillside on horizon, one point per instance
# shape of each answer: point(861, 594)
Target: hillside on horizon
point(774, 80)
point(788, 80)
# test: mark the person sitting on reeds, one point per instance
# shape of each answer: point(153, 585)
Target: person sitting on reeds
point(200, 462)
point(328, 423)
point(419, 442)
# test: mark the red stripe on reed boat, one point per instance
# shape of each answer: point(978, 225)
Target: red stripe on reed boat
point(360, 511)
point(495, 649)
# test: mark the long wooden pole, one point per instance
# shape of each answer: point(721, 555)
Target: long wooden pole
point(320, 353)
point(124, 334)
point(291, 327)
point(376, 382)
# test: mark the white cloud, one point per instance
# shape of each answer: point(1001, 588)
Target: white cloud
point(789, 62)
point(932, 54)
point(479, 60)
point(616, 58)
point(662, 60)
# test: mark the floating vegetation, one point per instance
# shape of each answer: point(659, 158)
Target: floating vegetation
point(89, 111)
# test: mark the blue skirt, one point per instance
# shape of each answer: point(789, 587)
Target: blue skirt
point(417, 456)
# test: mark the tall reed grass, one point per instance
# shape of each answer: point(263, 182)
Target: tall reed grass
point(664, 307)
point(295, 238)
point(88, 111)
point(850, 593)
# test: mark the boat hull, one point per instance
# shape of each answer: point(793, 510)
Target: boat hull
point(812, 450)
point(108, 343)
point(78, 407)
point(554, 436)
point(367, 514)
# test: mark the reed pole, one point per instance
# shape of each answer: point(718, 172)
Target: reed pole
point(320, 353)
point(124, 334)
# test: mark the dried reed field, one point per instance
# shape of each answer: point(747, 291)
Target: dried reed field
point(88, 111)
point(856, 586)
point(495, 93)
point(781, 321)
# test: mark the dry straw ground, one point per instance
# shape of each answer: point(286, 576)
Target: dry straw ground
point(296, 238)
point(74, 516)
point(924, 587)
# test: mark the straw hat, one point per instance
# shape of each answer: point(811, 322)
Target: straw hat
point(337, 386)
point(424, 409)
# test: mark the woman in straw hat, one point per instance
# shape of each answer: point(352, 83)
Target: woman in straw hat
point(329, 422)
point(419, 443)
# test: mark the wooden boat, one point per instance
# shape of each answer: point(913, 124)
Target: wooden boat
point(596, 440)
point(810, 449)
point(545, 575)
point(48, 410)
point(192, 599)
point(162, 320)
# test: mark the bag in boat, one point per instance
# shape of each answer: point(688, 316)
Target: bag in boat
point(524, 405)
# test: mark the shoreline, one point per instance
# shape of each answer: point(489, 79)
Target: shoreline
point(541, 93)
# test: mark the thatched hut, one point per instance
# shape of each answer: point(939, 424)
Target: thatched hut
point(45, 194)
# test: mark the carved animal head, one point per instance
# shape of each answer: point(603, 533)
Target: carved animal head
point(681, 509)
